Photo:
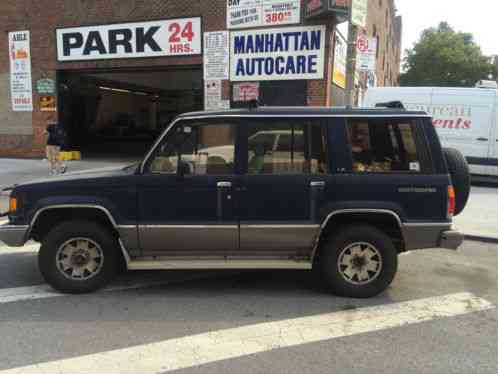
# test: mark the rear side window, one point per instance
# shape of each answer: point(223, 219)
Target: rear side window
point(384, 146)
point(280, 147)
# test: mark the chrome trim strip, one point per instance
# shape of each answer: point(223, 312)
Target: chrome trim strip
point(249, 226)
point(174, 264)
point(125, 227)
point(428, 224)
point(213, 226)
point(345, 211)
point(69, 206)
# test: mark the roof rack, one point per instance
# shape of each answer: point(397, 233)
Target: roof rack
point(391, 105)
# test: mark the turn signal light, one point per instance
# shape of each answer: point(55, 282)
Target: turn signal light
point(451, 201)
point(13, 205)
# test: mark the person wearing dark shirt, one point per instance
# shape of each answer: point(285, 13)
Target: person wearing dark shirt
point(55, 140)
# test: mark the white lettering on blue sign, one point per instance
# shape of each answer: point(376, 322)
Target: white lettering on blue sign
point(278, 54)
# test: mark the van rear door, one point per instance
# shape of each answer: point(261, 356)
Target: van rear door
point(493, 161)
point(463, 119)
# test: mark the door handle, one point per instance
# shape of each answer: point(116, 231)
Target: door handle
point(317, 184)
point(482, 139)
point(224, 184)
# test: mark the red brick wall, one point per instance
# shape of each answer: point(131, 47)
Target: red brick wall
point(42, 17)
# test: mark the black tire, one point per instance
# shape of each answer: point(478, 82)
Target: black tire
point(64, 232)
point(460, 177)
point(339, 243)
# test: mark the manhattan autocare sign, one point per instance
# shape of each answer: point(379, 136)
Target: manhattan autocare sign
point(21, 87)
point(277, 54)
point(174, 37)
point(256, 13)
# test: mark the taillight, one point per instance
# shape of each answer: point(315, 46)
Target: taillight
point(451, 201)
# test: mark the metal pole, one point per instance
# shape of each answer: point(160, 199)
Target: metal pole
point(351, 60)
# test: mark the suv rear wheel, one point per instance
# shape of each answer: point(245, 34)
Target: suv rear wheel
point(78, 257)
point(359, 262)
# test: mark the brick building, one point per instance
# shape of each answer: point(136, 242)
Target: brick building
point(114, 91)
point(384, 24)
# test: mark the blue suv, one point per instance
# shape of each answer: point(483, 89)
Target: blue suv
point(340, 191)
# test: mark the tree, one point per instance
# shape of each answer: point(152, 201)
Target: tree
point(443, 57)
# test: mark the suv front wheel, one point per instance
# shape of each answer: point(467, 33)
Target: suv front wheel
point(359, 261)
point(78, 257)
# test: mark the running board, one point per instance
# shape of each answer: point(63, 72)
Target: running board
point(177, 264)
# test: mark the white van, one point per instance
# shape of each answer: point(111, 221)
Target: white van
point(465, 118)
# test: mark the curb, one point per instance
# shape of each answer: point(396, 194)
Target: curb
point(483, 239)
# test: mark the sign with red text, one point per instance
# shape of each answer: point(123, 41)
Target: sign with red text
point(21, 86)
point(246, 91)
point(257, 13)
point(213, 99)
point(174, 37)
point(367, 53)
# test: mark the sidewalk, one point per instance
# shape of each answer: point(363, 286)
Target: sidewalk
point(479, 220)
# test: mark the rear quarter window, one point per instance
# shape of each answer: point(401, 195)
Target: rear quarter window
point(386, 145)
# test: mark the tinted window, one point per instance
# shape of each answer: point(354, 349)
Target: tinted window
point(297, 147)
point(383, 146)
point(200, 149)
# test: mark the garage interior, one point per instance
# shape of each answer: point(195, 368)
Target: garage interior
point(117, 114)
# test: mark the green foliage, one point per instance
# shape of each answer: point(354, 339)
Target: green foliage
point(443, 57)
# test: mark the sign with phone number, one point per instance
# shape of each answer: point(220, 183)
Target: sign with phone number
point(173, 37)
point(256, 13)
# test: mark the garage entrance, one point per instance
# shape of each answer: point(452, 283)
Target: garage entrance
point(119, 113)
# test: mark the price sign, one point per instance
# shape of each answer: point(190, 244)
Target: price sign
point(256, 13)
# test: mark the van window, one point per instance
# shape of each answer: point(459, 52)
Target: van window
point(383, 146)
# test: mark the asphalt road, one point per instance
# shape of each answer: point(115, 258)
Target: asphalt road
point(245, 322)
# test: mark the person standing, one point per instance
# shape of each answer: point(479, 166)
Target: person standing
point(55, 140)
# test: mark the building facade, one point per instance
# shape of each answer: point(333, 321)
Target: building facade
point(115, 72)
point(385, 27)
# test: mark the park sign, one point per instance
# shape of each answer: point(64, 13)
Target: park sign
point(173, 37)
point(277, 54)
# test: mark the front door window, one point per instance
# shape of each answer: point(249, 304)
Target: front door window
point(196, 149)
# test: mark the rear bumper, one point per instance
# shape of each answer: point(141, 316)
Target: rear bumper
point(451, 239)
point(430, 235)
point(13, 235)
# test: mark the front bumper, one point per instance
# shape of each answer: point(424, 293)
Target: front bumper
point(451, 239)
point(13, 235)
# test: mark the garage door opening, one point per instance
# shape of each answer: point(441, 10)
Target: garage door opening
point(119, 114)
